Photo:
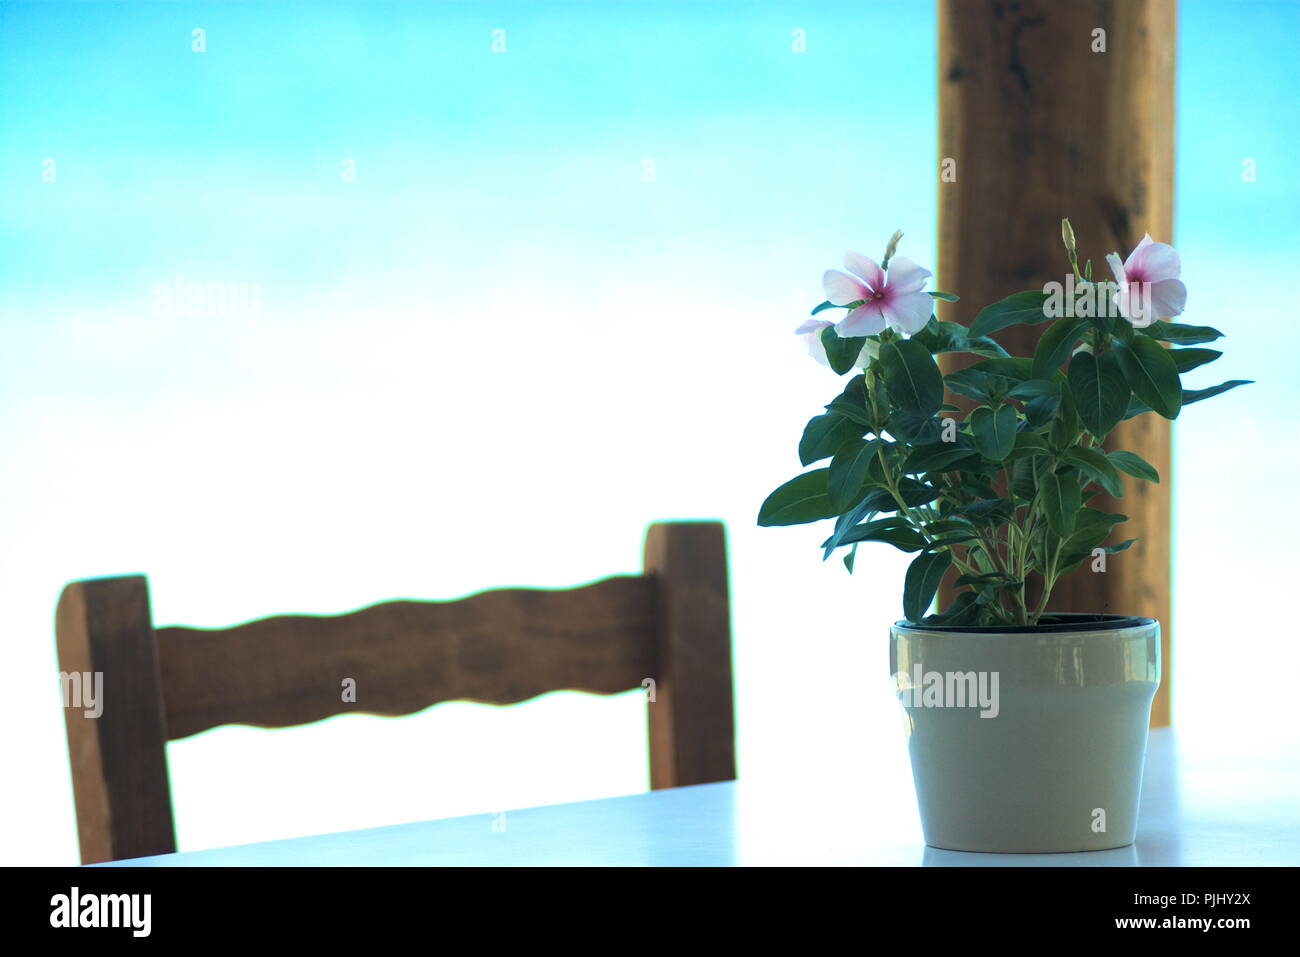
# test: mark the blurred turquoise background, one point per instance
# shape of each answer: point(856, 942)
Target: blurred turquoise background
point(553, 303)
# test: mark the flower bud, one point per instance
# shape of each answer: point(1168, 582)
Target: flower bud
point(891, 248)
point(1071, 250)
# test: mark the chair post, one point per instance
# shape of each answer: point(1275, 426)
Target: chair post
point(691, 725)
point(117, 741)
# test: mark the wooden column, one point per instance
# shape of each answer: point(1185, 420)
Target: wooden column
point(1040, 127)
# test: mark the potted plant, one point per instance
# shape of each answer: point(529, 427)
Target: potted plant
point(1027, 729)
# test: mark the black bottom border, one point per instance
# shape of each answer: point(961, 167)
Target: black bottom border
point(377, 905)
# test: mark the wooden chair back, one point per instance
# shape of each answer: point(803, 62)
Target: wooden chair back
point(666, 630)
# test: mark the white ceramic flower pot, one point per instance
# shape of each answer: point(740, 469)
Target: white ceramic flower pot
point(1030, 740)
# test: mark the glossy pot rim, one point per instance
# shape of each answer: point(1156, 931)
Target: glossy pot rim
point(1059, 624)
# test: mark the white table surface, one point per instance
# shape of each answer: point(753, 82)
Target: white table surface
point(1218, 807)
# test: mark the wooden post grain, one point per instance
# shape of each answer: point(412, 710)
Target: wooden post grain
point(691, 724)
point(1038, 124)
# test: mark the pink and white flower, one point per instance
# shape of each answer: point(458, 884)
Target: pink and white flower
point(1149, 287)
point(812, 337)
point(893, 299)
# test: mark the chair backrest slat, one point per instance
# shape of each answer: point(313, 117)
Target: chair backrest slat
point(496, 647)
point(667, 630)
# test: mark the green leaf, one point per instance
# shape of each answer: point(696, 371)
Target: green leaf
point(966, 609)
point(922, 581)
point(1196, 395)
point(983, 346)
point(912, 377)
point(801, 500)
point(1099, 389)
point(852, 402)
point(1152, 375)
point(1060, 495)
point(1104, 324)
point(1024, 477)
point(1094, 520)
point(946, 527)
point(956, 538)
point(987, 511)
point(1021, 307)
point(1091, 529)
point(841, 353)
point(1039, 411)
point(1035, 389)
point(1055, 345)
point(824, 435)
point(936, 457)
point(915, 429)
point(849, 556)
point(1027, 443)
point(1016, 368)
point(880, 500)
point(1065, 424)
point(848, 473)
point(822, 307)
point(945, 296)
point(1135, 407)
point(1133, 464)
point(877, 470)
point(970, 383)
point(1097, 467)
point(988, 578)
point(1188, 359)
point(863, 510)
point(1180, 334)
point(941, 336)
point(894, 531)
point(1138, 407)
point(1079, 548)
point(994, 432)
point(975, 485)
point(913, 493)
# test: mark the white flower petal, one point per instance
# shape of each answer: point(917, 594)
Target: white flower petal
point(1135, 304)
point(842, 289)
point(1143, 244)
point(908, 314)
point(1154, 262)
point(1168, 298)
point(1120, 293)
point(866, 320)
point(812, 325)
point(816, 348)
point(864, 268)
point(906, 276)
